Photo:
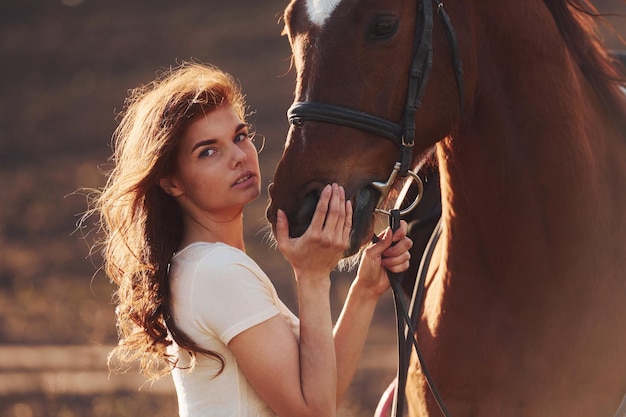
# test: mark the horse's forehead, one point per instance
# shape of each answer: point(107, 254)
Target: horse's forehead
point(319, 10)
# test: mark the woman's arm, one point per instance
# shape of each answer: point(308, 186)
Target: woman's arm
point(300, 378)
point(293, 379)
point(310, 377)
point(371, 282)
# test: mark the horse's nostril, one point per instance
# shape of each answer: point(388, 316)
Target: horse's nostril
point(304, 214)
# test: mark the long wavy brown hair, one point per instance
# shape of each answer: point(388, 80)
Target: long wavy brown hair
point(141, 224)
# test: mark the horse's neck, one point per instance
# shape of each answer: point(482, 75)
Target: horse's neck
point(534, 178)
point(530, 277)
point(533, 245)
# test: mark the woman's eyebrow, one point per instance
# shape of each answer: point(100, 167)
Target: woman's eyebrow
point(213, 141)
point(203, 143)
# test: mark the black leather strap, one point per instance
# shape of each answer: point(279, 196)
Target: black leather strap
point(307, 110)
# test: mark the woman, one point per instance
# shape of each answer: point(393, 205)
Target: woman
point(190, 301)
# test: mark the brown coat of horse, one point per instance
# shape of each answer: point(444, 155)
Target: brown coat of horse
point(525, 309)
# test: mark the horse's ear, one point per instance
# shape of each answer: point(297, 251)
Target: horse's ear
point(169, 185)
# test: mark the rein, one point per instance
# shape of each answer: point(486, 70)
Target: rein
point(406, 321)
point(402, 135)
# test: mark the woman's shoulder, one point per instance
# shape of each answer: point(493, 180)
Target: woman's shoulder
point(218, 251)
point(214, 257)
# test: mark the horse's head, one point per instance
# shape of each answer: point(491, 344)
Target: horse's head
point(358, 55)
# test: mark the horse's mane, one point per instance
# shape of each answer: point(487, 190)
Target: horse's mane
point(578, 21)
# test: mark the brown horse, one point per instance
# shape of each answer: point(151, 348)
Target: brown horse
point(525, 306)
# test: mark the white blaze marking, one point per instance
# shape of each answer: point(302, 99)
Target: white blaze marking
point(320, 10)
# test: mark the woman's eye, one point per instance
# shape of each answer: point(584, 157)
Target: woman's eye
point(243, 136)
point(207, 152)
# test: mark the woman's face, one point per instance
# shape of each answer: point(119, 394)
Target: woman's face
point(217, 167)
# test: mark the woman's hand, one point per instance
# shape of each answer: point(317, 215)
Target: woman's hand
point(390, 253)
point(323, 244)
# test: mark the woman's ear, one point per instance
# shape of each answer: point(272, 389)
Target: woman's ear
point(168, 184)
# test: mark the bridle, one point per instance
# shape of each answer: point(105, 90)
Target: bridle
point(403, 135)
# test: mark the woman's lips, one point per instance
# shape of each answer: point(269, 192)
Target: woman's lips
point(244, 179)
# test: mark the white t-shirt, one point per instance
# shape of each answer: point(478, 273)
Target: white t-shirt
point(217, 292)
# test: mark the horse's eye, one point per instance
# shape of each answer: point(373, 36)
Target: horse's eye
point(383, 27)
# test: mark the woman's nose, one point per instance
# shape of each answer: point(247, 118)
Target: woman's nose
point(238, 155)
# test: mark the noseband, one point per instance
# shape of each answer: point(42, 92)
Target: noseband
point(403, 135)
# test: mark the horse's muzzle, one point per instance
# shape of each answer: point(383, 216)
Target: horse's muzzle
point(300, 216)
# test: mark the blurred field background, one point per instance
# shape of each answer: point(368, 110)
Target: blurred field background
point(66, 67)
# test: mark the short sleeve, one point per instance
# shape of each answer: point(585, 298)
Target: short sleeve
point(229, 298)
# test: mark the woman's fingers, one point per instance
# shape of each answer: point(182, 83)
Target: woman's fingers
point(336, 217)
point(347, 225)
point(319, 217)
point(331, 223)
point(392, 249)
point(282, 229)
point(323, 243)
point(333, 213)
point(400, 241)
point(399, 246)
point(396, 257)
point(398, 263)
point(330, 214)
